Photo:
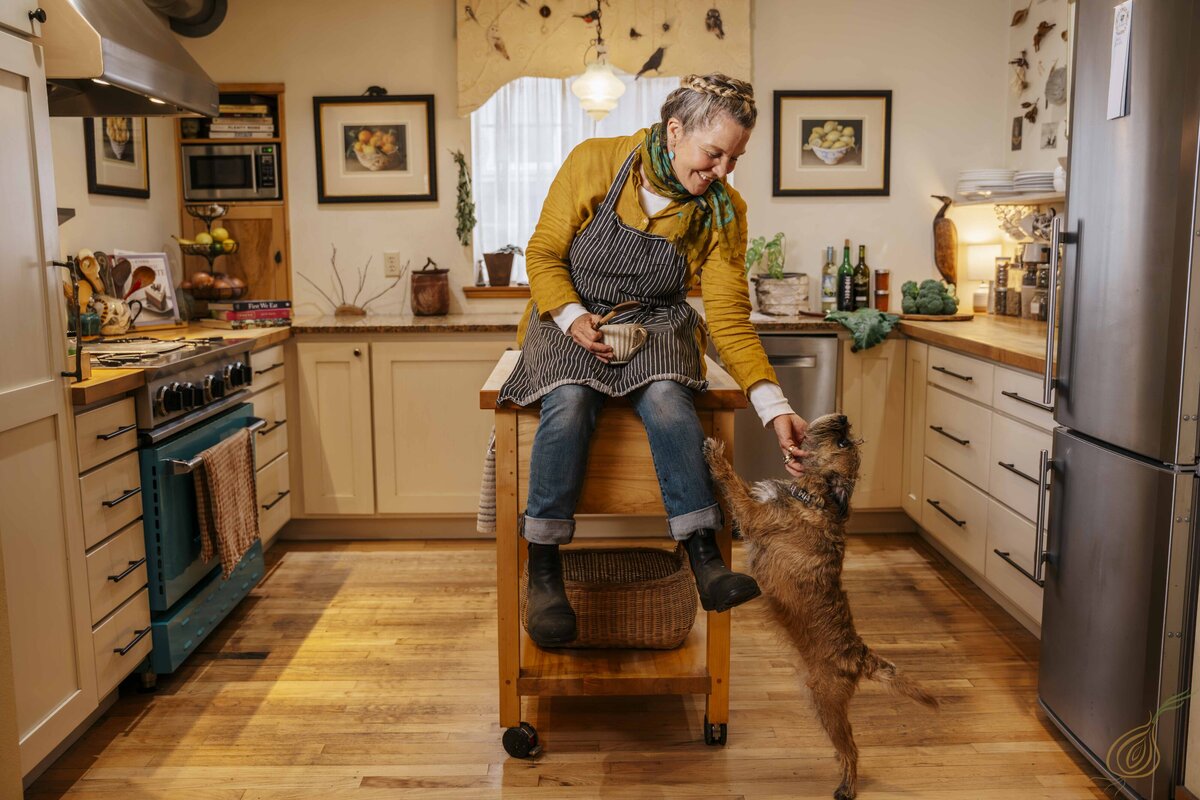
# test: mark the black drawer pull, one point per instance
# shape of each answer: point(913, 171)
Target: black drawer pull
point(268, 369)
point(1018, 567)
point(278, 497)
point(966, 378)
point(140, 635)
point(132, 566)
point(117, 501)
point(277, 424)
point(1026, 400)
point(939, 429)
point(938, 505)
point(1012, 468)
point(123, 429)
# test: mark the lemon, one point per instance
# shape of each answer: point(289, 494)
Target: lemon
point(220, 234)
point(204, 238)
point(228, 245)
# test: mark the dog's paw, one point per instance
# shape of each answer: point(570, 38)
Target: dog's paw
point(844, 793)
point(714, 451)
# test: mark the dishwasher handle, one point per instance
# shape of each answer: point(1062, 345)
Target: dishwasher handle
point(792, 361)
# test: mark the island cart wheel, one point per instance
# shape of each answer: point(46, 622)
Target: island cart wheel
point(522, 742)
point(715, 733)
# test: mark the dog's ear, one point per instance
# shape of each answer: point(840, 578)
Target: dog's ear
point(839, 492)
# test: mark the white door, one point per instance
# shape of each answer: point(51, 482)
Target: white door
point(41, 532)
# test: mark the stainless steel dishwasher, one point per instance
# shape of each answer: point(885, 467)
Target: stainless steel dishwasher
point(807, 367)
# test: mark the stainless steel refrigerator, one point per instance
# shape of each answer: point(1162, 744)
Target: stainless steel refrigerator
point(1119, 552)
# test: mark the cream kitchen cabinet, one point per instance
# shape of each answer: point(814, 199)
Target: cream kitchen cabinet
point(269, 399)
point(336, 454)
point(21, 16)
point(916, 358)
point(429, 433)
point(48, 674)
point(873, 399)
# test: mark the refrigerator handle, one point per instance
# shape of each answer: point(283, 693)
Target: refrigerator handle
point(1039, 551)
point(1051, 314)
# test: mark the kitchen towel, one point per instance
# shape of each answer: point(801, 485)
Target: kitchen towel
point(485, 519)
point(227, 500)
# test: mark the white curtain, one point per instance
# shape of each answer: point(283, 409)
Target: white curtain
point(520, 138)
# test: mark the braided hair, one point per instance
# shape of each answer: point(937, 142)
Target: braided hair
point(700, 99)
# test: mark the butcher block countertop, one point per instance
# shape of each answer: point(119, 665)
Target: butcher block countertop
point(1012, 341)
point(106, 382)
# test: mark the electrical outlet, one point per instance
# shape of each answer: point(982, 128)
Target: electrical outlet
point(392, 265)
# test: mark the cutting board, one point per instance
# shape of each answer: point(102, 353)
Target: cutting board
point(938, 317)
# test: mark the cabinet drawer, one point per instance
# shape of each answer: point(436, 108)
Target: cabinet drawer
point(271, 440)
point(274, 498)
point(111, 497)
point(1011, 534)
point(268, 367)
point(958, 434)
point(1010, 386)
point(105, 433)
point(955, 513)
point(116, 569)
point(960, 374)
point(1015, 449)
point(128, 627)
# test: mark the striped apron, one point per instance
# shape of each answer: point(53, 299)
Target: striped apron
point(610, 262)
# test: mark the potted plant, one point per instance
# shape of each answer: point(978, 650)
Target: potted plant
point(781, 294)
point(499, 264)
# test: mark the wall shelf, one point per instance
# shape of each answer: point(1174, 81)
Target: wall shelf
point(235, 140)
point(1014, 200)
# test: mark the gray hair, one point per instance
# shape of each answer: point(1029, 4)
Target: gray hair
point(700, 99)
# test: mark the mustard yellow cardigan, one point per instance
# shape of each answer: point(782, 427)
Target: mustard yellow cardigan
point(578, 190)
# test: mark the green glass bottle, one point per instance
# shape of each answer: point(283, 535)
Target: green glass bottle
point(862, 280)
point(845, 281)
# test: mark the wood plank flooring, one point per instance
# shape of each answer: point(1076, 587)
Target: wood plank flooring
point(368, 670)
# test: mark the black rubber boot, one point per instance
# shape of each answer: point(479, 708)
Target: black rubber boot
point(720, 587)
point(551, 618)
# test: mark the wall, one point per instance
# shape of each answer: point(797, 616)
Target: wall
point(939, 57)
point(1053, 50)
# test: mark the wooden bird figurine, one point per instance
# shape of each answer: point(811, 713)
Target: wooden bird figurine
point(945, 242)
point(652, 63)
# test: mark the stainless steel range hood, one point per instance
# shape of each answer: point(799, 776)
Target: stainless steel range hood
point(118, 58)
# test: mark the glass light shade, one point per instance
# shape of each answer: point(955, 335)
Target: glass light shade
point(981, 261)
point(598, 90)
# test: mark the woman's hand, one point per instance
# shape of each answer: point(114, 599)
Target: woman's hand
point(790, 430)
point(583, 330)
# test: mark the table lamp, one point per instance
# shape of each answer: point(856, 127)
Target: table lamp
point(981, 266)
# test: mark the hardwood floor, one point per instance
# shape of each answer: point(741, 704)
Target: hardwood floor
point(368, 670)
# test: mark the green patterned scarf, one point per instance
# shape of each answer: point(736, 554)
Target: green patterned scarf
point(701, 213)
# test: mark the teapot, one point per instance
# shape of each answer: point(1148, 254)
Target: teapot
point(116, 315)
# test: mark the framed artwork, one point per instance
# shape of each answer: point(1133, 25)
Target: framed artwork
point(117, 156)
point(375, 148)
point(146, 278)
point(832, 143)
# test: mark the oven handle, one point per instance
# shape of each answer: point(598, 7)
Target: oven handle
point(182, 467)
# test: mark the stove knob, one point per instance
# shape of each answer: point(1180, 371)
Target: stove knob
point(187, 398)
point(197, 395)
point(236, 374)
point(247, 374)
point(169, 399)
point(214, 388)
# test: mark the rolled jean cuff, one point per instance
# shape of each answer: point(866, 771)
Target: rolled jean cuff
point(685, 525)
point(547, 531)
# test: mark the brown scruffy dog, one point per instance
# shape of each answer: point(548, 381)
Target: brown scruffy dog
point(795, 533)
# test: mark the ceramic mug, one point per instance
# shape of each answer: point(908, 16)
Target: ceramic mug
point(116, 315)
point(625, 339)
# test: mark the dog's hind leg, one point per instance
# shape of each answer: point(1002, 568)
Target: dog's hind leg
point(736, 490)
point(831, 697)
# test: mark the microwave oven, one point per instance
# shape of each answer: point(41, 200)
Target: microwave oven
point(231, 172)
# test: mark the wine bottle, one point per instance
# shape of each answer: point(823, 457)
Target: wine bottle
point(862, 280)
point(845, 281)
point(829, 281)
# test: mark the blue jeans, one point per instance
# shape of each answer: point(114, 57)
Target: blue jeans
point(560, 450)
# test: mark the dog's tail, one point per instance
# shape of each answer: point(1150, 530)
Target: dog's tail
point(884, 671)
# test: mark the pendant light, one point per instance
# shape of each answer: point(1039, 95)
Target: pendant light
point(598, 89)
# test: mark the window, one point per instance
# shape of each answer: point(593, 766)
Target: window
point(521, 136)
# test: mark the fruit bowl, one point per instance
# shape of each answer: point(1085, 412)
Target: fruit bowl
point(377, 160)
point(217, 286)
point(214, 249)
point(832, 155)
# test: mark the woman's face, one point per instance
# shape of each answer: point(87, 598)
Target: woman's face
point(705, 154)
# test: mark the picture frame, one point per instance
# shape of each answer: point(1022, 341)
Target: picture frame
point(156, 295)
point(852, 156)
point(118, 156)
point(375, 148)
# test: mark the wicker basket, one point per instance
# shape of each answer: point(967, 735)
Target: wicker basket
point(630, 598)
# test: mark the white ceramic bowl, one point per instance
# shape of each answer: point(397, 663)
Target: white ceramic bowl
point(375, 161)
point(832, 155)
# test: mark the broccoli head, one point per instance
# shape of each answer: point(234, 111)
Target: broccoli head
point(930, 284)
point(950, 306)
point(929, 304)
point(909, 289)
point(908, 304)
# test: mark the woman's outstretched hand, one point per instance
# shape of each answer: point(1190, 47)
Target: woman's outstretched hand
point(790, 430)
point(583, 331)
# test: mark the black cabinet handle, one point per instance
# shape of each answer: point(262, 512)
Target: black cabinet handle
point(1018, 567)
point(278, 256)
point(939, 429)
point(140, 635)
point(123, 429)
point(268, 369)
point(357, 352)
point(132, 566)
point(277, 424)
point(1026, 400)
point(38, 15)
point(938, 505)
point(966, 378)
point(1013, 469)
point(275, 502)
point(117, 501)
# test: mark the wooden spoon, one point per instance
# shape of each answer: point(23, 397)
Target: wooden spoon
point(628, 305)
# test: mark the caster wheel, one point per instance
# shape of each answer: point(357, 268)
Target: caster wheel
point(522, 742)
point(715, 733)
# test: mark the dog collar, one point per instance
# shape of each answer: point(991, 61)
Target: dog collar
point(804, 496)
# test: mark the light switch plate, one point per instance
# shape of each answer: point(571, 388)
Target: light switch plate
point(391, 265)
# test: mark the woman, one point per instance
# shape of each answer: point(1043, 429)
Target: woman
point(639, 218)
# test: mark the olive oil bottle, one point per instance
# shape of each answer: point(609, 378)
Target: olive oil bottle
point(829, 281)
point(845, 282)
point(862, 280)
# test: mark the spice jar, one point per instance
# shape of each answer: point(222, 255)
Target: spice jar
point(883, 292)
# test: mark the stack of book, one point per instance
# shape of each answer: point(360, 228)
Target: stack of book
point(242, 121)
point(242, 314)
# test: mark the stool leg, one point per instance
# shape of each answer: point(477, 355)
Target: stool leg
point(508, 566)
point(717, 702)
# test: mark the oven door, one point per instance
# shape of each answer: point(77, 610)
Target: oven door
point(224, 172)
point(170, 521)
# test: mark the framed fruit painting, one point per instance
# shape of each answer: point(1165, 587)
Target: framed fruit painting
point(832, 143)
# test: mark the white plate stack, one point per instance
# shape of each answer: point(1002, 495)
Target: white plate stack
point(985, 182)
point(1034, 182)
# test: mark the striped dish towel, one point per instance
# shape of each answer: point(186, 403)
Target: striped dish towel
point(485, 519)
point(227, 500)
